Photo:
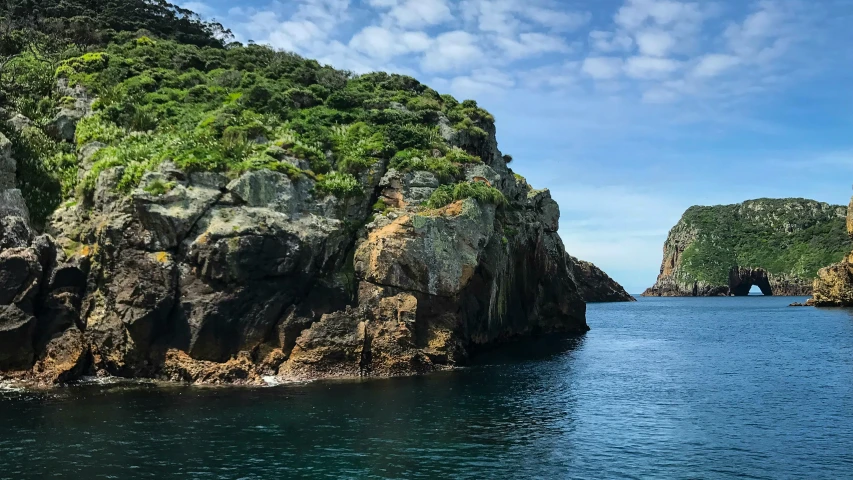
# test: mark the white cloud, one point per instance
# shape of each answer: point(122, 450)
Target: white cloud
point(765, 34)
point(562, 76)
point(660, 94)
point(497, 16)
point(650, 67)
point(452, 51)
point(200, 8)
point(531, 44)
point(556, 19)
point(382, 43)
point(608, 42)
point(602, 68)
point(481, 81)
point(715, 64)
point(305, 31)
point(295, 36)
point(655, 43)
point(637, 13)
point(417, 13)
point(510, 16)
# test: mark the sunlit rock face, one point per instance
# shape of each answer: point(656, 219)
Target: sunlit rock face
point(834, 285)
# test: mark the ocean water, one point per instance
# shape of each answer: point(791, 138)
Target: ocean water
point(662, 388)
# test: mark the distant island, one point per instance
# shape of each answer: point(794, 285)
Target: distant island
point(777, 245)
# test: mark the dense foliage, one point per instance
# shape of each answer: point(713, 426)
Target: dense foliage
point(783, 236)
point(167, 88)
point(446, 194)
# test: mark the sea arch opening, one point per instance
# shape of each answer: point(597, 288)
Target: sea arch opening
point(742, 281)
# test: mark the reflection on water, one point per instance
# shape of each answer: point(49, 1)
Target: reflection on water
point(664, 388)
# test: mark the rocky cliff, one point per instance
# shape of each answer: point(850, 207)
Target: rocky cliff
point(776, 245)
point(595, 285)
point(833, 286)
point(221, 254)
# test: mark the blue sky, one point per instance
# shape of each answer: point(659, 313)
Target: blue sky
point(630, 111)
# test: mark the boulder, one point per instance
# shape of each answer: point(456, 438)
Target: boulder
point(65, 358)
point(14, 232)
point(267, 189)
point(20, 276)
point(126, 312)
point(434, 253)
point(8, 166)
point(17, 329)
point(64, 124)
point(19, 122)
point(12, 205)
point(401, 189)
point(167, 218)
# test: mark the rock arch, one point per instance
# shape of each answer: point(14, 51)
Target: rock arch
point(742, 279)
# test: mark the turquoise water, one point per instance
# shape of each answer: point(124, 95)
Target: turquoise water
point(662, 388)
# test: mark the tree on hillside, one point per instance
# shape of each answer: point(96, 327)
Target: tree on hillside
point(88, 21)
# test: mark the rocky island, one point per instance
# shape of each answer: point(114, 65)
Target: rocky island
point(596, 286)
point(180, 209)
point(777, 245)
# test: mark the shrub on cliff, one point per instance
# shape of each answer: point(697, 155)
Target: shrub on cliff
point(447, 194)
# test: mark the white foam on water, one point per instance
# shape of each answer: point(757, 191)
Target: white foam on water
point(9, 386)
point(271, 380)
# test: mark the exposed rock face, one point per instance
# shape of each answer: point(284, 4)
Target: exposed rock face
point(218, 281)
point(64, 123)
point(595, 285)
point(704, 251)
point(834, 285)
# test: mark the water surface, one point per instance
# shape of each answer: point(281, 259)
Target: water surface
point(662, 388)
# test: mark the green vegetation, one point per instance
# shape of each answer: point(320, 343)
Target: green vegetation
point(159, 187)
point(169, 87)
point(785, 236)
point(339, 184)
point(447, 194)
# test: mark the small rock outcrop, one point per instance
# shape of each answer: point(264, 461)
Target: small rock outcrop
point(728, 249)
point(596, 286)
point(833, 286)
